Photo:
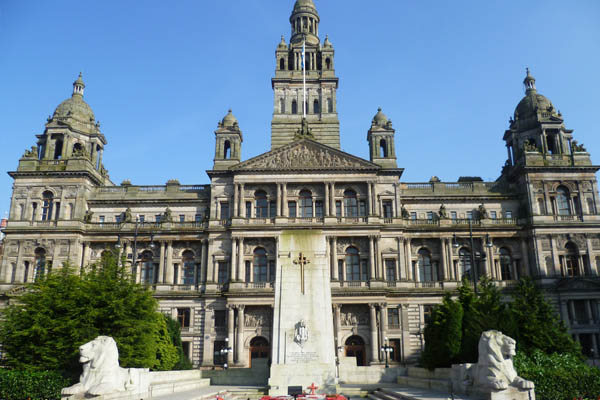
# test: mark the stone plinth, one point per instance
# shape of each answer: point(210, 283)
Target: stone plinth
point(303, 345)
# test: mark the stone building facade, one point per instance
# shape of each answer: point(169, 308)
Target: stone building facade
point(210, 251)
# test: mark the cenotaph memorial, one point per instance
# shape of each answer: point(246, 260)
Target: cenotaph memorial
point(303, 345)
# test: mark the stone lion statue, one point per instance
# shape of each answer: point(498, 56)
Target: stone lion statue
point(102, 373)
point(494, 368)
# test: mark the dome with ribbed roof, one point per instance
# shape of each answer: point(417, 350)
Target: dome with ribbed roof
point(229, 120)
point(304, 4)
point(380, 118)
point(75, 107)
point(533, 101)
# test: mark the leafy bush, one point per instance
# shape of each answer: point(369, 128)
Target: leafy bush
point(174, 330)
point(443, 334)
point(34, 385)
point(558, 376)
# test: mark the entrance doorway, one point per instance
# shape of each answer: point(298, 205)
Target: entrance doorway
point(259, 348)
point(355, 347)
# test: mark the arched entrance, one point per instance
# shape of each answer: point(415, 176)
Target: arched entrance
point(355, 347)
point(259, 348)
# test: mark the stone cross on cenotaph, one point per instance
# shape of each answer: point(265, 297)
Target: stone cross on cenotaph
point(303, 344)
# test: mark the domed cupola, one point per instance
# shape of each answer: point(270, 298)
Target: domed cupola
point(305, 23)
point(381, 141)
point(379, 120)
point(228, 146)
point(75, 111)
point(534, 107)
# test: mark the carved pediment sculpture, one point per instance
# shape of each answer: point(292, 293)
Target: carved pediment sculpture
point(306, 154)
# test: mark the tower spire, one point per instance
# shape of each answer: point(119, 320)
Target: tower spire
point(78, 86)
point(529, 82)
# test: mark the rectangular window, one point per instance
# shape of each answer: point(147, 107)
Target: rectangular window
point(364, 270)
point(395, 354)
point(176, 274)
point(101, 219)
point(222, 272)
point(362, 208)
point(493, 214)
point(142, 218)
point(292, 209)
point(341, 269)
point(118, 218)
point(427, 310)
point(338, 208)
point(390, 269)
point(430, 215)
point(157, 218)
point(393, 318)
point(182, 218)
point(387, 209)
point(413, 215)
point(271, 270)
point(186, 349)
point(248, 271)
point(272, 209)
point(198, 217)
point(319, 208)
point(248, 209)
point(220, 318)
point(183, 316)
point(224, 210)
point(453, 215)
point(508, 214)
point(469, 214)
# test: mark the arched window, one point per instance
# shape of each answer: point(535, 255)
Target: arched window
point(259, 348)
point(572, 260)
point(259, 263)
point(77, 148)
point(227, 150)
point(316, 108)
point(350, 203)
point(328, 62)
point(294, 107)
point(355, 347)
point(505, 265)
point(562, 201)
point(40, 263)
point(306, 204)
point(383, 150)
point(352, 264)
point(282, 64)
point(261, 205)
point(189, 267)
point(282, 106)
point(464, 259)
point(425, 266)
point(147, 273)
point(48, 204)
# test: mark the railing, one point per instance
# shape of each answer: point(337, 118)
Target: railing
point(388, 220)
point(259, 285)
point(192, 188)
point(428, 284)
point(183, 288)
point(44, 223)
point(189, 225)
point(432, 222)
point(394, 327)
point(391, 283)
point(152, 188)
point(224, 222)
point(419, 186)
point(351, 220)
point(354, 284)
point(504, 221)
point(465, 221)
point(567, 218)
point(113, 189)
point(103, 225)
point(260, 221)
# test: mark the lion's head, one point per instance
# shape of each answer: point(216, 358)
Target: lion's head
point(494, 345)
point(100, 354)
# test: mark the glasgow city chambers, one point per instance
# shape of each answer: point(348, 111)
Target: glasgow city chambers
point(210, 252)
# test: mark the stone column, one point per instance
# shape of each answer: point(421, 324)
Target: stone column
point(242, 201)
point(397, 202)
point(337, 323)
point(234, 264)
point(210, 264)
point(242, 266)
point(409, 266)
point(380, 267)
point(326, 205)
point(370, 199)
point(278, 211)
point(373, 321)
point(230, 325)
point(286, 212)
point(555, 261)
point(589, 269)
point(371, 259)
point(334, 263)
point(444, 260)
point(236, 200)
point(203, 261)
point(161, 264)
point(383, 318)
point(374, 200)
point(571, 304)
point(564, 311)
point(588, 311)
point(239, 345)
point(525, 258)
point(20, 264)
point(169, 267)
point(332, 209)
point(399, 274)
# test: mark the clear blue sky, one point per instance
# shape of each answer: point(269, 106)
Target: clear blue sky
point(161, 74)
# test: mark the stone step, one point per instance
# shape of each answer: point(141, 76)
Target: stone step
point(440, 385)
point(166, 388)
point(421, 394)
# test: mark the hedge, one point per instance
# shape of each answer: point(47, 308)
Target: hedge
point(559, 376)
point(20, 385)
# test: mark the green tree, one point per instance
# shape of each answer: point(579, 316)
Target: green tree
point(536, 323)
point(471, 326)
point(62, 311)
point(443, 334)
point(175, 333)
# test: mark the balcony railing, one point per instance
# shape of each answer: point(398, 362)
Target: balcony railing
point(354, 284)
point(259, 285)
point(428, 284)
point(427, 222)
point(568, 218)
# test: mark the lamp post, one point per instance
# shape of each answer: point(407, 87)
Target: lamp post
point(224, 351)
point(387, 349)
point(488, 243)
point(118, 247)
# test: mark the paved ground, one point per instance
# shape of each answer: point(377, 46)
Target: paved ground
point(205, 393)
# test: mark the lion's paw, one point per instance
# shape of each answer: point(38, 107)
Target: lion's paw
point(523, 384)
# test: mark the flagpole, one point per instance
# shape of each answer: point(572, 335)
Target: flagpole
point(304, 74)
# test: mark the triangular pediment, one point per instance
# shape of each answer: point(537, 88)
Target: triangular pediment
point(578, 284)
point(305, 155)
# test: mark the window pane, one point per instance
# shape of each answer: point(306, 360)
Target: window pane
point(292, 209)
point(390, 269)
point(318, 208)
point(224, 210)
point(338, 208)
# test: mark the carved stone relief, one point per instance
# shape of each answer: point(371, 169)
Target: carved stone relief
point(253, 243)
point(361, 243)
point(354, 315)
point(257, 317)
